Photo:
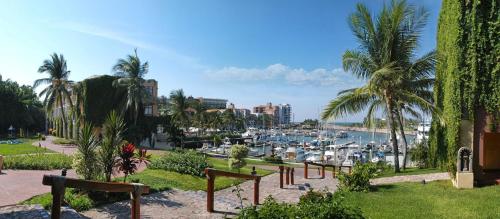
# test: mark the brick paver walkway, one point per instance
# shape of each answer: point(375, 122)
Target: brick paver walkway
point(64, 149)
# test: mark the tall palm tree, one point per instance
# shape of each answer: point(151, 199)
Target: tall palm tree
point(387, 44)
point(131, 72)
point(57, 92)
point(179, 106)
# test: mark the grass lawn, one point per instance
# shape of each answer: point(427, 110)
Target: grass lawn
point(160, 180)
point(408, 171)
point(63, 141)
point(23, 148)
point(262, 162)
point(437, 199)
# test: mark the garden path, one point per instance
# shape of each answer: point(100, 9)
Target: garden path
point(411, 178)
point(64, 149)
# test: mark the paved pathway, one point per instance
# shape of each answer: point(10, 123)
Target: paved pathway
point(192, 204)
point(411, 178)
point(64, 149)
point(19, 185)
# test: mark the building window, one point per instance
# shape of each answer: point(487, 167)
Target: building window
point(148, 110)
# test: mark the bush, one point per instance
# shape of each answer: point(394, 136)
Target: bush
point(311, 205)
point(420, 155)
point(62, 141)
point(187, 162)
point(238, 152)
point(38, 162)
point(273, 159)
point(359, 180)
point(85, 160)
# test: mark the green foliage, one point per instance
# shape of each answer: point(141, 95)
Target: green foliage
point(420, 155)
point(38, 162)
point(237, 155)
point(187, 162)
point(112, 140)
point(85, 160)
point(273, 159)
point(25, 147)
point(467, 74)
point(311, 205)
point(63, 141)
point(19, 107)
point(359, 179)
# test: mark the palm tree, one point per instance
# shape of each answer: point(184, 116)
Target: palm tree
point(131, 72)
point(179, 106)
point(57, 92)
point(387, 46)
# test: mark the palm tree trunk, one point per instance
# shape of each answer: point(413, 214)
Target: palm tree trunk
point(402, 132)
point(394, 140)
point(64, 129)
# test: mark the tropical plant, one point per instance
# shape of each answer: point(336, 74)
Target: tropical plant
point(57, 92)
point(236, 157)
point(359, 179)
point(112, 140)
point(185, 162)
point(387, 49)
point(85, 161)
point(127, 163)
point(178, 110)
point(131, 72)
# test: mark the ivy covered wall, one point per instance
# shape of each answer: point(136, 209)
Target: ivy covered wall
point(467, 73)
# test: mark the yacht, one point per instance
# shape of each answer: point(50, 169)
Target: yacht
point(422, 132)
point(294, 153)
point(341, 134)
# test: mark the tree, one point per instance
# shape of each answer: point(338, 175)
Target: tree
point(85, 160)
point(387, 44)
point(57, 91)
point(112, 140)
point(131, 72)
point(179, 105)
point(237, 155)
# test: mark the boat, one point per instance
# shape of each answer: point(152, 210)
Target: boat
point(422, 132)
point(294, 153)
point(314, 156)
point(341, 134)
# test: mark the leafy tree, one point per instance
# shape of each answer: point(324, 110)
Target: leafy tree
point(131, 72)
point(387, 48)
point(57, 92)
point(237, 155)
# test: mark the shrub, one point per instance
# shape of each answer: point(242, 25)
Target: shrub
point(112, 139)
point(62, 141)
point(238, 152)
point(85, 161)
point(38, 162)
point(420, 155)
point(273, 159)
point(187, 162)
point(311, 205)
point(359, 180)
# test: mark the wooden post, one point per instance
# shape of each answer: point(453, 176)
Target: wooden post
point(333, 172)
point(322, 172)
point(350, 169)
point(305, 170)
point(281, 176)
point(288, 176)
point(319, 172)
point(291, 174)
point(256, 191)
point(210, 191)
point(57, 191)
point(135, 201)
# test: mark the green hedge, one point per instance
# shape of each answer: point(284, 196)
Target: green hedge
point(187, 162)
point(38, 162)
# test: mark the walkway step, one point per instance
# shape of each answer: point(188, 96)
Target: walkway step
point(35, 212)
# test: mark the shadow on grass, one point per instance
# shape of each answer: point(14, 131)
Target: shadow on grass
point(382, 187)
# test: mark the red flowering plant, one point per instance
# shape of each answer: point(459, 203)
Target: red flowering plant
point(129, 160)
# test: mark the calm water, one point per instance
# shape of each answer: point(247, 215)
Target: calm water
point(357, 136)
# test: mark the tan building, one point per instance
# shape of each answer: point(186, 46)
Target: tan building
point(151, 107)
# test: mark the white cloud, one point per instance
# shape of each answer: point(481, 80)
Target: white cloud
point(280, 72)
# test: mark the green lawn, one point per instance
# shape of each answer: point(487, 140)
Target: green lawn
point(23, 148)
point(63, 141)
point(262, 162)
point(433, 200)
point(408, 171)
point(160, 180)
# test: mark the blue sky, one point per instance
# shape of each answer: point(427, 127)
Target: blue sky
point(249, 52)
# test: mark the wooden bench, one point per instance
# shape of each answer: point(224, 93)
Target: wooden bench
point(212, 173)
point(59, 183)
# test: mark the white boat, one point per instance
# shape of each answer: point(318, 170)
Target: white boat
point(422, 132)
point(341, 134)
point(294, 153)
point(313, 156)
point(251, 132)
